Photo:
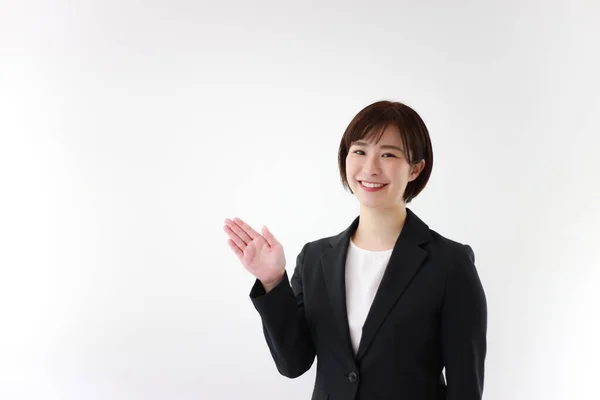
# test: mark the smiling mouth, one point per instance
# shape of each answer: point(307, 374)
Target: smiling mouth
point(370, 185)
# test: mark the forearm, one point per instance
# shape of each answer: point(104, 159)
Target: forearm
point(285, 328)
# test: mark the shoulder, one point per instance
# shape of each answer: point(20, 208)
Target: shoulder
point(450, 249)
point(457, 260)
point(416, 233)
point(318, 246)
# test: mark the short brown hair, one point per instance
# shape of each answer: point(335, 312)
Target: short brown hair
point(372, 121)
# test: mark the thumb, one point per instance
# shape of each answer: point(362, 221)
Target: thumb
point(271, 241)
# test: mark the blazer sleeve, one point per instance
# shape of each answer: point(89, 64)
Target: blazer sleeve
point(464, 329)
point(284, 323)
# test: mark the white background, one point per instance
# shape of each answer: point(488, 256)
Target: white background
point(131, 129)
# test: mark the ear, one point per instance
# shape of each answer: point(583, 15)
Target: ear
point(416, 169)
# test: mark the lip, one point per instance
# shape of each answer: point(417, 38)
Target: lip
point(368, 189)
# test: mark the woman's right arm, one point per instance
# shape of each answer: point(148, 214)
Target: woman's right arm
point(284, 323)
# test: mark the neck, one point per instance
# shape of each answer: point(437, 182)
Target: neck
point(378, 229)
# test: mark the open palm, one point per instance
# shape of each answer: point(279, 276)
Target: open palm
point(262, 255)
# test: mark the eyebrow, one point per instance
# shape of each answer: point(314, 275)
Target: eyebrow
point(383, 146)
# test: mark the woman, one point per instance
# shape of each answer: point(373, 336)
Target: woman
point(386, 304)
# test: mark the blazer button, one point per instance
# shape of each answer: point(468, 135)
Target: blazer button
point(353, 377)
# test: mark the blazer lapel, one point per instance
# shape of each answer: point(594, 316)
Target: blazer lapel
point(404, 263)
point(407, 256)
point(333, 263)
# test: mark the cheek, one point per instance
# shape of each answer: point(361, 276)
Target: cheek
point(350, 169)
point(403, 170)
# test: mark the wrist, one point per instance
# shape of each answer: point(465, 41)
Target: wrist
point(269, 285)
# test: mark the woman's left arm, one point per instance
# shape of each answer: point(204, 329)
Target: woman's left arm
point(464, 329)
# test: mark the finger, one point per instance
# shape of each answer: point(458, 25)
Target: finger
point(238, 231)
point(235, 238)
point(246, 228)
point(238, 252)
point(269, 237)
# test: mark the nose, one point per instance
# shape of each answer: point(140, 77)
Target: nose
point(371, 165)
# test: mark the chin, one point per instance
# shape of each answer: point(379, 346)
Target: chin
point(371, 204)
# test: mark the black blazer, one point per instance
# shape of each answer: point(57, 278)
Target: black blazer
point(429, 312)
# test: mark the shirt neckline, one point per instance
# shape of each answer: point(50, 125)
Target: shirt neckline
point(365, 251)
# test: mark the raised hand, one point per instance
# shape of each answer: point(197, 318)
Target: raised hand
point(262, 255)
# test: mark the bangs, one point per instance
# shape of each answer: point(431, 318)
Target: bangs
point(373, 130)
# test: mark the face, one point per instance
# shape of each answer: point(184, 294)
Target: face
point(378, 173)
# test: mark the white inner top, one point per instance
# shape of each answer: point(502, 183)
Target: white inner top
point(364, 270)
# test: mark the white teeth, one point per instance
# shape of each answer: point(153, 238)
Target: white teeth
point(372, 185)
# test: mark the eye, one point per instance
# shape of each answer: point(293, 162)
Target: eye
point(386, 155)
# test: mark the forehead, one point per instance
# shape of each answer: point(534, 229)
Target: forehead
point(388, 135)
